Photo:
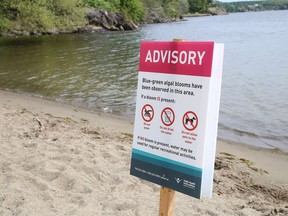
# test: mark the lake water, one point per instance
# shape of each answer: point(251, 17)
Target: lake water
point(99, 71)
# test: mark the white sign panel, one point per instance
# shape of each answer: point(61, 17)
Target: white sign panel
point(177, 115)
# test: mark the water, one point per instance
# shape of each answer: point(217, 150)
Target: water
point(99, 71)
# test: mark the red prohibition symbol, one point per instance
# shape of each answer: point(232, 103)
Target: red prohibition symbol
point(167, 116)
point(147, 113)
point(190, 121)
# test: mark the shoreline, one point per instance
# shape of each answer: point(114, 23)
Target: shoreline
point(56, 159)
point(37, 104)
point(125, 125)
point(110, 115)
point(250, 144)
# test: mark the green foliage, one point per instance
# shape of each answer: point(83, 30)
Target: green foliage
point(4, 23)
point(176, 8)
point(152, 3)
point(109, 5)
point(133, 9)
point(254, 5)
point(169, 8)
point(68, 13)
point(276, 4)
point(8, 9)
point(34, 16)
point(198, 6)
point(42, 15)
point(4, 20)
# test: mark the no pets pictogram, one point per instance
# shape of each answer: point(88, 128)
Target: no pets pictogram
point(190, 121)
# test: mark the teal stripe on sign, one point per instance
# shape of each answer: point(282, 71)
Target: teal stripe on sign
point(167, 163)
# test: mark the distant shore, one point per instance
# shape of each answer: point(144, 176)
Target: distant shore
point(101, 20)
point(56, 159)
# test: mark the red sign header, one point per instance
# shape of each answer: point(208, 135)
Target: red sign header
point(186, 58)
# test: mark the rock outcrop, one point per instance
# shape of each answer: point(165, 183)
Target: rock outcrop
point(109, 21)
point(217, 11)
point(156, 15)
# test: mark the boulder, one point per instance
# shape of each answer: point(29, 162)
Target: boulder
point(217, 11)
point(109, 21)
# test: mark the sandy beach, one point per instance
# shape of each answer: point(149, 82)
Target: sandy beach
point(56, 159)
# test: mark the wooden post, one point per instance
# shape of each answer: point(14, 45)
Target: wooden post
point(167, 195)
point(180, 40)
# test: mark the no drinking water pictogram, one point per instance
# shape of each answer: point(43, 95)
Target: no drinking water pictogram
point(147, 113)
point(190, 121)
point(167, 116)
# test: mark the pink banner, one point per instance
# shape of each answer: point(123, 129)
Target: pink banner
point(186, 58)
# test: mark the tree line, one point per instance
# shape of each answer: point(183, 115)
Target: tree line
point(40, 15)
point(254, 5)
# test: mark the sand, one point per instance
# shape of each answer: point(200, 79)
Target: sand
point(60, 160)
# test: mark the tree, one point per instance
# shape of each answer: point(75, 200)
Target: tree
point(176, 8)
point(199, 6)
point(132, 9)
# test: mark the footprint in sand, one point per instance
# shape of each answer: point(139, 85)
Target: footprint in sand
point(40, 186)
point(64, 183)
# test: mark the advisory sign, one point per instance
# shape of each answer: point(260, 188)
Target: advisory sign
point(177, 115)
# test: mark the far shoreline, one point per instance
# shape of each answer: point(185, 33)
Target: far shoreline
point(90, 27)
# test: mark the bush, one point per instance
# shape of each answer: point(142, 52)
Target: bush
point(199, 6)
point(4, 23)
point(34, 17)
point(133, 9)
point(41, 15)
point(177, 8)
point(110, 5)
point(67, 13)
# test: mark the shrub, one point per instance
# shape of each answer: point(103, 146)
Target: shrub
point(110, 5)
point(133, 9)
point(42, 15)
point(176, 8)
point(4, 24)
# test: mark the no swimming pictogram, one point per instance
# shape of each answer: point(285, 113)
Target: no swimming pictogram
point(147, 113)
point(167, 116)
point(190, 121)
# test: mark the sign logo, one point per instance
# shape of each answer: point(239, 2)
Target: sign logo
point(147, 113)
point(178, 180)
point(167, 116)
point(190, 121)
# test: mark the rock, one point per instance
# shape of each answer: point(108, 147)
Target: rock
point(155, 15)
point(17, 32)
point(34, 32)
point(88, 28)
point(109, 21)
point(52, 31)
point(94, 17)
point(129, 26)
point(6, 34)
point(217, 11)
